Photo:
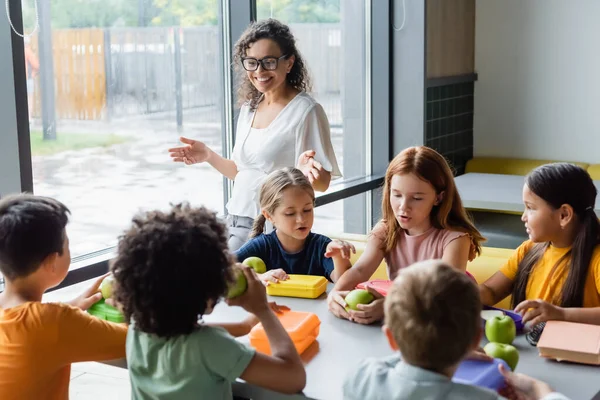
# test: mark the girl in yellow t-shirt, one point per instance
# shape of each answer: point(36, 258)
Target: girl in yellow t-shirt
point(555, 275)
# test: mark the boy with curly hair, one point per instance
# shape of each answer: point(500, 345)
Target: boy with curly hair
point(172, 268)
point(432, 322)
point(39, 341)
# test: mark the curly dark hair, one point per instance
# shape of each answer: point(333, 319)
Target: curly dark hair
point(169, 267)
point(298, 78)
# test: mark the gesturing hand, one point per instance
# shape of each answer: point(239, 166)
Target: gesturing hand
point(311, 168)
point(194, 152)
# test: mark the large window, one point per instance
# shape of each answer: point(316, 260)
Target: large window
point(112, 85)
point(332, 35)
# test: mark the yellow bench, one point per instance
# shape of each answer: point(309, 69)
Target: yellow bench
point(594, 171)
point(483, 267)
point(508, 166)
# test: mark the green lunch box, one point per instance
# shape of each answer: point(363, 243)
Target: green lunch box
point(106, 312)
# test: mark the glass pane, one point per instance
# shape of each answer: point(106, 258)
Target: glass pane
point(330, 219)
point(331, 36)
point(112, 86)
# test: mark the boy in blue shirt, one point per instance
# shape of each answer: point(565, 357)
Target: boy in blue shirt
point(432, 321)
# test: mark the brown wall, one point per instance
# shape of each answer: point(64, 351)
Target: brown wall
point(450, 37)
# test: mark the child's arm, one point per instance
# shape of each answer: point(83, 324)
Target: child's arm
point(495, 289)
point(457, 252)
point(90, 296)
point(529, 387)
point(283, 370)
point(238, 329)
point(339, 251)
point(364, 267)
point(361, 271)
point(538, 311)
point(83, 337)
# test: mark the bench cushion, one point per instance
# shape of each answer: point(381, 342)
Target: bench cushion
point(594, 171)
point(507, 166)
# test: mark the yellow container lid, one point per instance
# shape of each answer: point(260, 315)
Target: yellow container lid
point(305, 286)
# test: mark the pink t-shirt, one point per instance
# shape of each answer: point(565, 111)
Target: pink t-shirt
point(429, 245)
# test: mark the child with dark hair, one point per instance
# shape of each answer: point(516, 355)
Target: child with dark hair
point(555, 275)
point(39, 341)
point(171, 269)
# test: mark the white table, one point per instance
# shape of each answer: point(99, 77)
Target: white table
point(342, 344)
point(497, 192)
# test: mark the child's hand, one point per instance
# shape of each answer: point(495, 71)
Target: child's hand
point(252, 320)
point(337, 304)
point(339, 247)
point(90, 296)
point(369, 313)
point(524, 385)
point(274, 275)
point(278, 309)
point(254, 299)
point(536, 311)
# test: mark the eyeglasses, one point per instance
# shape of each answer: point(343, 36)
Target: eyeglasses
point(268, 63)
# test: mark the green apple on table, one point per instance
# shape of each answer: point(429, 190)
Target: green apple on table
point(239, 286)
point(500, 329)
point(506, 352)
point(356, 297)
point(256, 264)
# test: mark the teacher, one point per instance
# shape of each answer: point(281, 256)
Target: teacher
point(279, 125)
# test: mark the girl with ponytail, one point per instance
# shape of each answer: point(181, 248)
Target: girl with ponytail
point(555, 275)
point(287, 201)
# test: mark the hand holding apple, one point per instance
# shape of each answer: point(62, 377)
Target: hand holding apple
point(254, 299)
point(106, 287)
point(356, 297)
point(239, 286)
point(524, 385)
point(503, 351)
point(500, 329)
point(366, 314)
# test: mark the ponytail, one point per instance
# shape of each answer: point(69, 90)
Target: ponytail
point(583, 249)
point(258, 226)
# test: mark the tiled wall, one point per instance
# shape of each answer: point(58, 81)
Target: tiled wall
point(449, 117)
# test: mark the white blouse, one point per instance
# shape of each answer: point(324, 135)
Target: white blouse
point(300, 126)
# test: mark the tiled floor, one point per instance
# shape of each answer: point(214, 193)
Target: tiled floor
point(90, 380)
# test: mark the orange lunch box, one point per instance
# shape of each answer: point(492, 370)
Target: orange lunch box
point(302, 327)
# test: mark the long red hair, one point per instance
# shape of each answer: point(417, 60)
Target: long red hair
point(432, 167)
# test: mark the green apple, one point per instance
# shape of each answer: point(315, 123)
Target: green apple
point(239, 286)
point(500, 329)
point(506, 352)
point(256, 264)
point(106, 287)
point(356, 297)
